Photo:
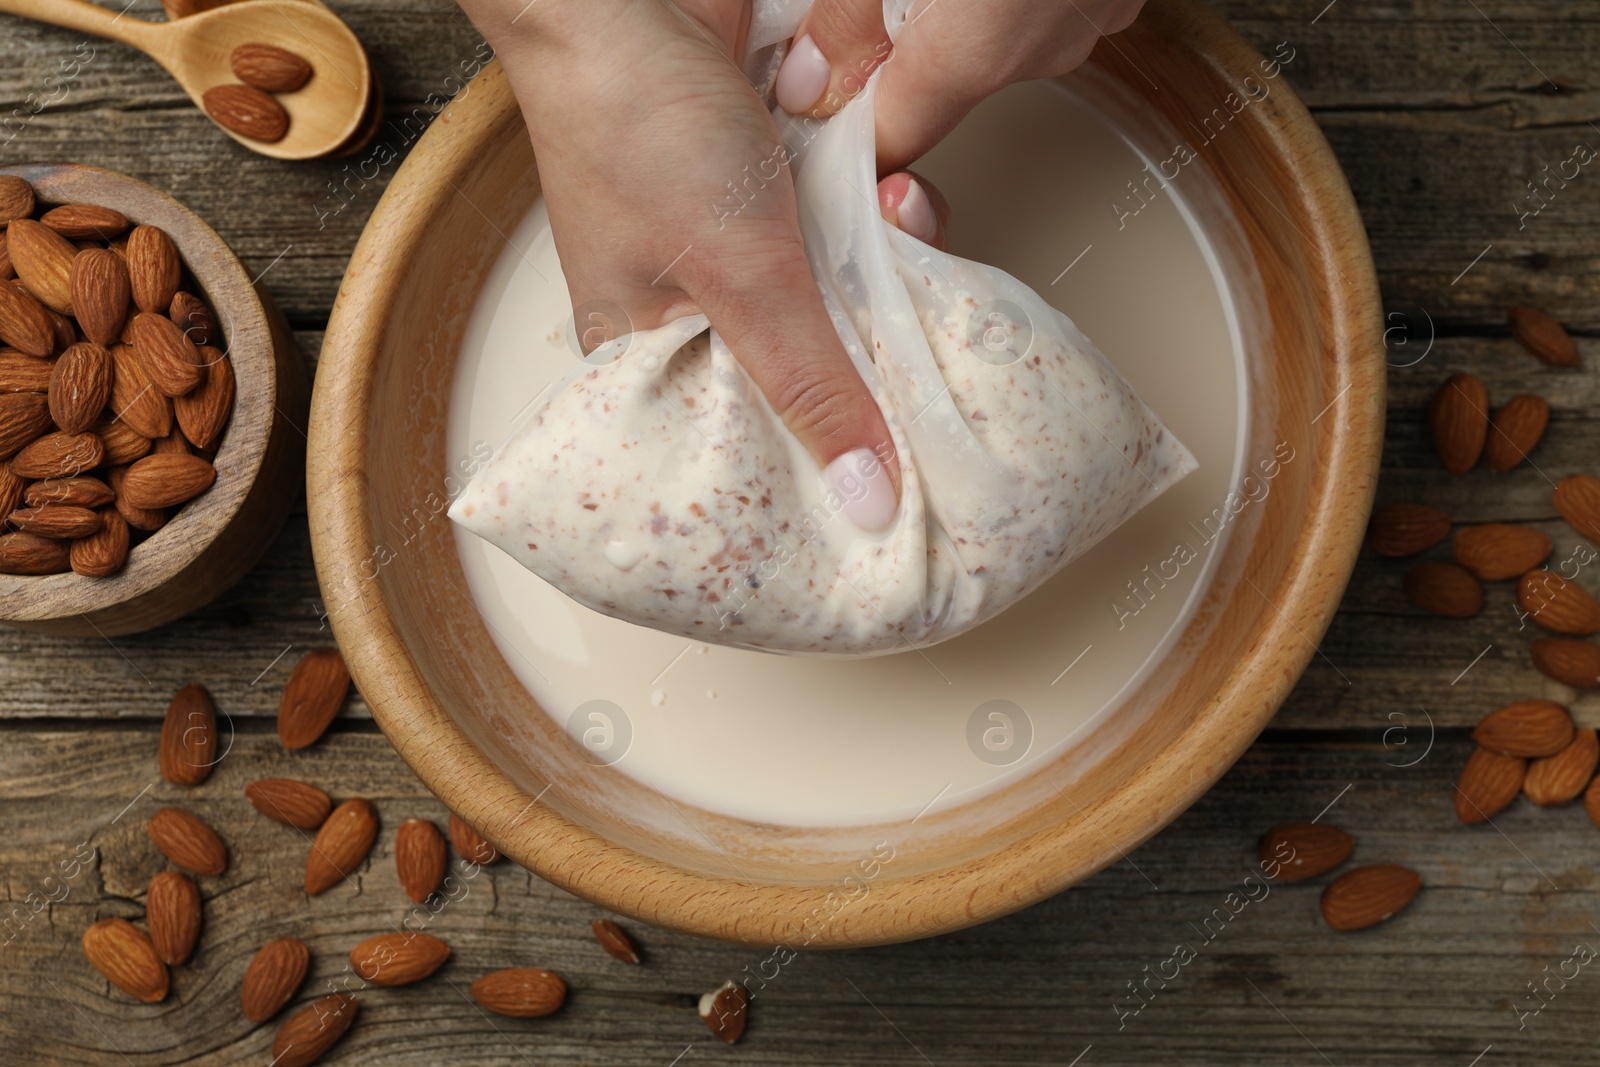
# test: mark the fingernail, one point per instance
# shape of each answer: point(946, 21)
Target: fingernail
point(803, 77)
point(915, 213)
point(864, 487)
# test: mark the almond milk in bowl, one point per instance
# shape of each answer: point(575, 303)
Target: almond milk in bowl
point(1173, 199)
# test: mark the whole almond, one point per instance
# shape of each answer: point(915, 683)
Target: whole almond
point(269, 68)
point(123, 444)
point(398, 959)
point(341, 845)
point(1444, 589)
point(59, 455)
point(165, 480)
point(289, 802)
point(204, 412)
point(172, 908)
point(86, 221)
point(26, 553)
point(13, 489)
point(520, 992)
point(101, 293)
point(24, 323)
point(23, 417)
point(1555, 603)
point(82, 492)
point(1406, 529)
point(1543, 337)
point(191, 315)
point(1529, 728)
point(1560, 778)
point(1367, 896)
point(615, 940)
point(120, 951)
point(419, 858)
point(313, 696)
point(1488, 783)
point(313, 1030)
point(170, 359)
point(1515, 431)
point(16, 198)
point(154, 268)
point(43, 262)
point(56, 520)
point(726, 1010)
point(247, 111)
point(1577, 499)
point(24, 374)
point(1304, 849)
point(80, 386)
point(102, 553)
point(188, 842)
point(1460, 422)
point(146, 519)
point(1497, 551)
point(1568, 661)
point(189, 737)
point(469, 844)
point(275, 972)
point(134, 398)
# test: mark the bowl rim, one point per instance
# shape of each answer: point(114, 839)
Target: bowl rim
point(1022, 872)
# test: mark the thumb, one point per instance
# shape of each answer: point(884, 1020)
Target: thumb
point(767, 308)
point(837, 47)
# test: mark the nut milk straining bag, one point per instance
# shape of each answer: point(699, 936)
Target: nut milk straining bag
point(656, 485)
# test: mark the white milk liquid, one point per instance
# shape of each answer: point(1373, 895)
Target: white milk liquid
point(1032, 176)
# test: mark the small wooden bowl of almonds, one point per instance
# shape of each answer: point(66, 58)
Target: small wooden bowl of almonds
point(150, 399)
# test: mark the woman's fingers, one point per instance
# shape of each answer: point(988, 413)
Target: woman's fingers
point(838, 46)
point(914, 205)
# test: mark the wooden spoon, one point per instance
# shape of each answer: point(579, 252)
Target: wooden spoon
point(195, 50)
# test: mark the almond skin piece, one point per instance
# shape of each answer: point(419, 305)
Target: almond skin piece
point(164, 480)
point(1560, 778)
point(1444, 589)
point(24, 374)
point(247, 111)
point(615, 940)
point(170, 359)
point(1367, 896)
point(16, 198)
point(100, 293)
point(1568, 661)
point(469, 844)
point(154, 268)
point(146, 519)
point(134, 398)
point(1556, 604)
point(42, 259)
point(172, 909)
point(313, 1030)
point(188, 842)
point(398, 959)
point(1577, 499)
point(520, 992)
point(1497, 551)
point(203, 413)
point(1312, 849)
point(1488, 783)
point(1544, 337)
point(275, 972)
point(85, 221)
point(120, 951)
point(80, 386)
point(26, 553)
point(23, 417)
point(24, 323)
point(59, 455)
point(1406, 529)
point(726, 1010)
point(419, 858)
point(313, 696)
point(1529, 728)
point(269, 68)
point(189, 737)
point(1515, 431)
point(1460, 422)
point(341, 845)
point(289, 802)
point(81, 492)
point(56, 520)
point(102, 553)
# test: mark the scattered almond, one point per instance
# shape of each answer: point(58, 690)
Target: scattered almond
point(469, 844)
point(1488, 783)
point(204, 412)
point(56, 520)
point(100, 293)
point(85, 220)
point(341, 845)
point(1312, 849)
point(188, 842)
point(102, 553)
point(1568, 661)
point(1497, 551)
point(1577, 499)
point(189, 737)
point(172, 908)
point(1528, 728)
point(313, 696)
point(1460, 422)
point(1406, 529)
point(615, 940)
point(520, 992)
point(1515, 431)
point(1560, 778)
point(398, 959)
point(275, 972)
point(43, 262)
point(1367, 896)
point(164, 480)
point(1557, 604)
point(725, 1010)
point(247, 111)
point(289, 802)
point(310, 1032)
point(1444, 589)
point(1543, 336)
point(25, 553)
point(269, 68)
point(419, 858)
point(121, 951)
point(80, 386)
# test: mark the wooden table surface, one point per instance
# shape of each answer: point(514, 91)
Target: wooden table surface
point(1440, 111)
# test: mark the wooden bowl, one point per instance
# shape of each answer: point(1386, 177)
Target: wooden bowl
point(379, 481)
point(215, 538)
